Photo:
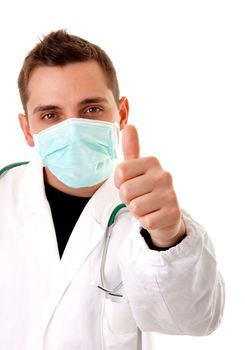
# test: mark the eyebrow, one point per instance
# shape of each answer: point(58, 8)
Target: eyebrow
point(44, 108)
point(93, 100)
point(89, 100)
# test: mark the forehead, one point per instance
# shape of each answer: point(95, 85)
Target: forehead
point(63, 82)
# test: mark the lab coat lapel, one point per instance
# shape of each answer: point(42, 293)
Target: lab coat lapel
point(89, 230)
point(38, 227)
point(87, 234)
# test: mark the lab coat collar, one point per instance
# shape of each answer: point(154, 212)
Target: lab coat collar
point(32, 195)
point(105, 199)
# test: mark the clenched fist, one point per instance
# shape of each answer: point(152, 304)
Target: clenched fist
point(148, 192)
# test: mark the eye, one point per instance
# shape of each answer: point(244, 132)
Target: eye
point(93, 110)
point(49, 116)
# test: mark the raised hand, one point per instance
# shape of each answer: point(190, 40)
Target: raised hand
point(148, 192)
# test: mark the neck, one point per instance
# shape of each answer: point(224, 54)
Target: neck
point(79, 192)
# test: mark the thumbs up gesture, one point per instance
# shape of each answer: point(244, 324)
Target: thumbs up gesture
point(148, 192)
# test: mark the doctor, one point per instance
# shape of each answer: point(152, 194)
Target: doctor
point(73, 276)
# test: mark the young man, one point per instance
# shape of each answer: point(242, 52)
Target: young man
point(73, 276)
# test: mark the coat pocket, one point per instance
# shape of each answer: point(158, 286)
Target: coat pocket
point(119, 316)
point(119, 327)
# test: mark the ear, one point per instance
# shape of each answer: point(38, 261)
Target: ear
point(24, 124)
point(123, 112)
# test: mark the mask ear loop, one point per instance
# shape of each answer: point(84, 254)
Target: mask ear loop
point(115, 139)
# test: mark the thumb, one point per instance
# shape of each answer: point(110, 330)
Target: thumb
point(130, 142)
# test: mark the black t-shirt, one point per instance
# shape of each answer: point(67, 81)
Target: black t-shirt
point(66, 210)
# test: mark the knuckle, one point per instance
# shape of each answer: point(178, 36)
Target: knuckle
point(135, 207)
point(148, 223)
point(122, 198)
point(125, 193)
point(153, 161)
point(160, 177)
point(120, 171)
point(163, 178)
point(168, 177)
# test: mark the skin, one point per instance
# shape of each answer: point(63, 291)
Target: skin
point(80, 90)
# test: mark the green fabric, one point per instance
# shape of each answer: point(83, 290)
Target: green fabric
point(10, 166)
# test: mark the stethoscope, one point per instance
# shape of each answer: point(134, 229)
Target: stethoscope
point(108, 233)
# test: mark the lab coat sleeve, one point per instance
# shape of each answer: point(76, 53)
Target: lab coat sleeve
point(178, 291)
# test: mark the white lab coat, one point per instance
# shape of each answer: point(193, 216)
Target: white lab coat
point(52, 304)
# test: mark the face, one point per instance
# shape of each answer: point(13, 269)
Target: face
point(74, 90)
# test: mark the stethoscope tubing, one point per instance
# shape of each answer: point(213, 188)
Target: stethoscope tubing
point(109, 228)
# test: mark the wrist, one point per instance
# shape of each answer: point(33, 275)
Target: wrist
point(173, 241)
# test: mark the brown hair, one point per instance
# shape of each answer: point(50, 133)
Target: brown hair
point(60, 48)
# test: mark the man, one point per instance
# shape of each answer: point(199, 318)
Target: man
point(65, 283)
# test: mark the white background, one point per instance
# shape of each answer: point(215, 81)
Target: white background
point(182, 66)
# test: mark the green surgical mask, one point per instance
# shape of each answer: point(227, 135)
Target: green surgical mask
point(79, 152)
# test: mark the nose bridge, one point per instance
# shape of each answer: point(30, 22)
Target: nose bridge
point(71, 111)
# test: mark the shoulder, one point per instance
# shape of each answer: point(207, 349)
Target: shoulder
point(11, 166)
point(11, 177)
point(11, 174)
